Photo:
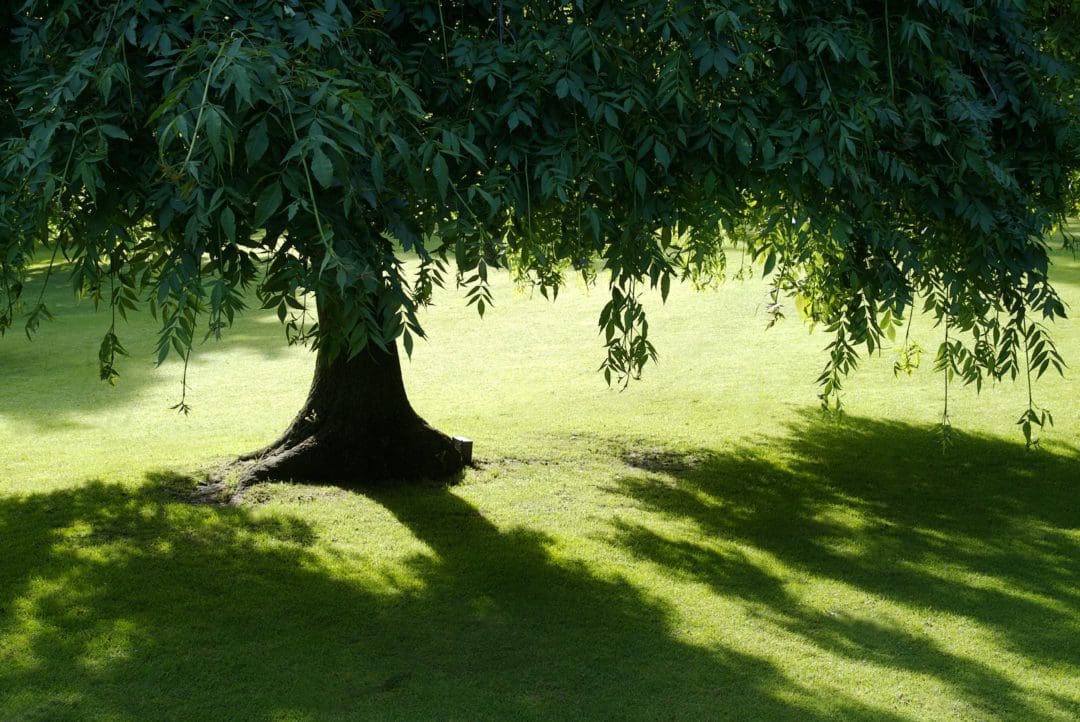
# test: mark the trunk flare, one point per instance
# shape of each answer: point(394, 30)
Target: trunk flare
point(356, 427)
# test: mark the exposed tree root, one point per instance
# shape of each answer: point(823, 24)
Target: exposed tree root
point(356, 428)
point(332, 456)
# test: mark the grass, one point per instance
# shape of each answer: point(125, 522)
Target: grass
point(702, 545)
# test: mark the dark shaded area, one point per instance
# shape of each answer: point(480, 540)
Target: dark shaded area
point(219, 607)
point(987, 532)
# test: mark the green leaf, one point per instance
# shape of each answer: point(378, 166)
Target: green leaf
point(269, 201)
point(743, 146)
point(377, 176)
point(256, 143)
point(662, 155)
point(114, 132)
point(518, 117)
point(639, 182)
point(826, 175)
point(213, 130)
point(770, 263)
point(441, 173)
point(594, 224)
point(228, 224)
point(321, 167)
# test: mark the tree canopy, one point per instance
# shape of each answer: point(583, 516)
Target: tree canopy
point(871, 156)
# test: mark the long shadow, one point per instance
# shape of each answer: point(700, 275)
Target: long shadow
point(130, 605)
point(986, 533)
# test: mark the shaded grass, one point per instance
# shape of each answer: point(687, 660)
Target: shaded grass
point(724, 585)
point(485, 625)
point(703, 545)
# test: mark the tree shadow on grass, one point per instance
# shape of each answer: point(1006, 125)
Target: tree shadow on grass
point(986, 534)
point(128, 604)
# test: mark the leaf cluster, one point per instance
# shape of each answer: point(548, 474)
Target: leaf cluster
point(867, 155)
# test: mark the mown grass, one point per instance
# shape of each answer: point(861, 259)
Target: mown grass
point(702, 545)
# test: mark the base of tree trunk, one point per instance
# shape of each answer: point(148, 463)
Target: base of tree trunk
point(400, 454)
point(356, 427)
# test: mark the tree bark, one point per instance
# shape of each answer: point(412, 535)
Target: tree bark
point(356, 427)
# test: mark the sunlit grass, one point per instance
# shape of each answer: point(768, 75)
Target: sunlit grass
point(700, 545)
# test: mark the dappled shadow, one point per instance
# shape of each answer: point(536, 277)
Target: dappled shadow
point(987, 533)
point(132, 605)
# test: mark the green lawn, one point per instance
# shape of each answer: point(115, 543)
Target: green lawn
point(702, 545)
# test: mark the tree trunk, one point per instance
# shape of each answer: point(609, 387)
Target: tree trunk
point(357, 426)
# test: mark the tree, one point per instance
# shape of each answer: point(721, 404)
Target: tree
point(178, 152)
point(1062, 18)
